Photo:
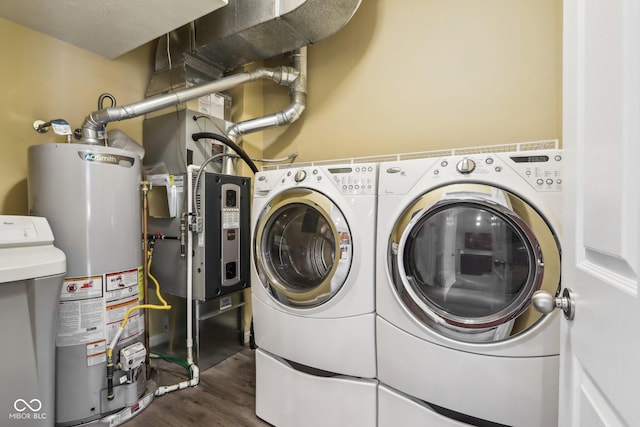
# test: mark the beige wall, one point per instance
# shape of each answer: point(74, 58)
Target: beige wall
point(44, 78)
point(427, 74)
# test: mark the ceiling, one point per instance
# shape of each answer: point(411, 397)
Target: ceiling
point(108, 28)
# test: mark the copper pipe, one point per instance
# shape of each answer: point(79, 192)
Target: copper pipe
point(145, 270)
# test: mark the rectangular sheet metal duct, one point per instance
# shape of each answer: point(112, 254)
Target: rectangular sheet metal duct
point(243, 32)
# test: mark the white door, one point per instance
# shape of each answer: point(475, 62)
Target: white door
point(600, 368)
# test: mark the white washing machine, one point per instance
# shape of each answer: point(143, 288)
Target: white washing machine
point(313, 293)
point(463, 241)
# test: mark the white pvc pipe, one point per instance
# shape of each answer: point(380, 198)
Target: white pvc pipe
point(195, 371)
point(190, 170)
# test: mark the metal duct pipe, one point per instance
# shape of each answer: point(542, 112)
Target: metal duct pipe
point(297, 94)
point(95, 121)
point(298, 97)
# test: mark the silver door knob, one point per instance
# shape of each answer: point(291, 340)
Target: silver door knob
point(544, 302)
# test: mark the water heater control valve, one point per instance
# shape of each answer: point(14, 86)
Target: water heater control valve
point(132, 356)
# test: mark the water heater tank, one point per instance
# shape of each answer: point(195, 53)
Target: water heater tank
point(91, 197)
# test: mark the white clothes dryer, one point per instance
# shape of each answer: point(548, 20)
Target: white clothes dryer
point(463, 242)
point(313, 289)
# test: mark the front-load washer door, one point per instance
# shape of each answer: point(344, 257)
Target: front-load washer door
point(302, 248)
point(466, 258)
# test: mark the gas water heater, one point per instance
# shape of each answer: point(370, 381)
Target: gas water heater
point(90, 195)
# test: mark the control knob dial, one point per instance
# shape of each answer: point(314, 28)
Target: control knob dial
point(300, 175)
point(466, 166)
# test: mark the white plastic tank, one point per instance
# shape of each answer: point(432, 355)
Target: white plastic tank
point(31, 274)
point(91, 197)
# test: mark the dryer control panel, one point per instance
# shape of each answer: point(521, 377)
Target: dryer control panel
point(354, 179)
point(349, 179)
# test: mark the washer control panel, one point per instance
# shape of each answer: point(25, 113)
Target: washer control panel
point(541, 169)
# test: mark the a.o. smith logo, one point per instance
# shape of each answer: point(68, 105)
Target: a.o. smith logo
point(27, 410)
point(112, 159)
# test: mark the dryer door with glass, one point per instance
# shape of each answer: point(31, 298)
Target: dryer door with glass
point(466, 258)
point(302, 248)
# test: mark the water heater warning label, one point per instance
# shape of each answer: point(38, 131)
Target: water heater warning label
point(96, 352)
point(122, 279)
point(80, 321)
point(116, 311)
point(92, 308)
point(81, 288)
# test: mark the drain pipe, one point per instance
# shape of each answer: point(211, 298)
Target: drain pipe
point(94, 122)
point(193, 368)
point(298, 97)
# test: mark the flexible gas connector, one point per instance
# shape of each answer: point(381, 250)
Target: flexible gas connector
point(116, 337)
point(110, 394)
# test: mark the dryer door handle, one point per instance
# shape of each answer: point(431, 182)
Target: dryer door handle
point(544, 302)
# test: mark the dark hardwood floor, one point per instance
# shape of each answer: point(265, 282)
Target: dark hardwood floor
point(225, 396)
